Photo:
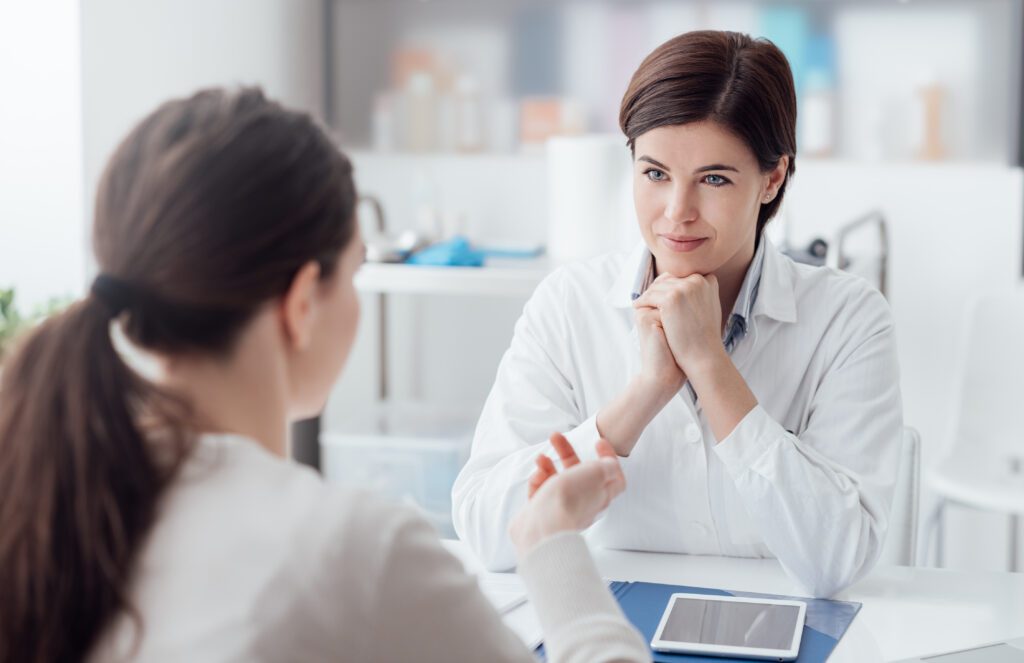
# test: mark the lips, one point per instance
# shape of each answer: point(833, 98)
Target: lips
point(681, 243)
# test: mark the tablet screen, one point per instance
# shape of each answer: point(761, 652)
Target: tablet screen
point(712, 622)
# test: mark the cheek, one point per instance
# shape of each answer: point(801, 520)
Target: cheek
point(337, 333)
point(729, 212)
point(346, 321)
point(647, 202)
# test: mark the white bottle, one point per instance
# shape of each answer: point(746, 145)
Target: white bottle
point(469, 134)
point(421, 112)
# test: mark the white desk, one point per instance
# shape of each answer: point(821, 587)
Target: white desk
point(907, 611)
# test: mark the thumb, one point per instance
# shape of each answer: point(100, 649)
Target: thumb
point(614, 479)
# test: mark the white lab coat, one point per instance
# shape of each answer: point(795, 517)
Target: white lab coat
point(807, 476)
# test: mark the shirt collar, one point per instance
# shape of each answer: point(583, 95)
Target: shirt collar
point(776, 297)
point(636, 266)
point(750, 287)
point(767, 289)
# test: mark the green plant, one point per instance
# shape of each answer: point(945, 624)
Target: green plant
point(13, 322)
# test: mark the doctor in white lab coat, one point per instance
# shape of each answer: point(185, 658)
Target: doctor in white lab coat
point(754, 401)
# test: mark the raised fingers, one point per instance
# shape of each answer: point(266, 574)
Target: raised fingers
point(545, 470)
point(564, 450)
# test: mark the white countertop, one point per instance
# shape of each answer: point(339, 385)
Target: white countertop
point(499, 277)
point(907, 611)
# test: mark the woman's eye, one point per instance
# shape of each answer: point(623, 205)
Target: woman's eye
point(715, 180)
point(655, 175)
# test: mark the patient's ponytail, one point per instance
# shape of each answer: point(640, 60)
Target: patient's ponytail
point(78, 486)
point(204, 214)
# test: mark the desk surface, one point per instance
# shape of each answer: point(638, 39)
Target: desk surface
point(907, 611)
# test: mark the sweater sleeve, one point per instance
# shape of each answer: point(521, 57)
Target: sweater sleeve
point(580, 619)
point(429, 609)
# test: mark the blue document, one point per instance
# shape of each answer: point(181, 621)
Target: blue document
point(644, 603)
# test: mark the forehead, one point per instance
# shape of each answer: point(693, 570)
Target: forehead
point(695, 144)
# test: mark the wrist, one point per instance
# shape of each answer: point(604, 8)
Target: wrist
point(707, 363)
point(653, 392)
point(532, 526)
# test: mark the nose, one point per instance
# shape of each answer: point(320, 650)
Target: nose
point(682, 206)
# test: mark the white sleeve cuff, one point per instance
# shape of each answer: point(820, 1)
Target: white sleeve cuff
point(582, 438)
point(754, 437)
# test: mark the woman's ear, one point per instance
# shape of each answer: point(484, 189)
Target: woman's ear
point(298, 306)
point(774, 179)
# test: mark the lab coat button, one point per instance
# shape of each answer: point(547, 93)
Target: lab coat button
point(693, 433)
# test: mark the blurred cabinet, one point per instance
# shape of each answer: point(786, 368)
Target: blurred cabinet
point(876, 79)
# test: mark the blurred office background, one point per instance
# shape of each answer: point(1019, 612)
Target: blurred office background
point(496, 121)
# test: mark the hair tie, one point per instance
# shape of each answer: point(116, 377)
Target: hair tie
point(112, 292)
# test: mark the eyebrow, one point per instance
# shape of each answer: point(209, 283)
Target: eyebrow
point(702, 169)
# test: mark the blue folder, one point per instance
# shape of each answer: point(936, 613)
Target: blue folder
point(644, 603)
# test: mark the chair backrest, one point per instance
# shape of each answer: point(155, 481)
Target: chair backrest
point(991, 391)
point(901, 541)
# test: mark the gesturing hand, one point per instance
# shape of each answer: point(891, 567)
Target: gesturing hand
point(690, 313)
point(569, 500)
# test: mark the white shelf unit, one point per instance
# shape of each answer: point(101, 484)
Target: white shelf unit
point(497, 279)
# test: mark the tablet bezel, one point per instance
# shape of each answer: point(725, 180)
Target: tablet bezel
point(681, 647)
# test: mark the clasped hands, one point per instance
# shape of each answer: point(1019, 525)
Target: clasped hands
point(679, 321)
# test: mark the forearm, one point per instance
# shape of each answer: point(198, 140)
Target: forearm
point(724, 395)
point(622, 420)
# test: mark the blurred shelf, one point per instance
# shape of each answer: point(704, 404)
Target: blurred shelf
point(500, 278)
point(534, 153)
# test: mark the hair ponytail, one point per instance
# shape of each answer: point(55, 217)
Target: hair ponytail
point(204, 214)
point(78, 486)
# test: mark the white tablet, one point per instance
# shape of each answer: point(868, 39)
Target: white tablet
point(765, 629)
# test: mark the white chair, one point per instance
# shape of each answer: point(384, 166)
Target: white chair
point(984, 467)
point(901, 541)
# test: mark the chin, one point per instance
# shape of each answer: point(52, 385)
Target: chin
point(679, 266)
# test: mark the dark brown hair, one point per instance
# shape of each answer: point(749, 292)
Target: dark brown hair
point(740, 83)
point(205, 212)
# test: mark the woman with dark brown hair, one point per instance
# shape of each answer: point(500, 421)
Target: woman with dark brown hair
point(754, 402)
point(157, 519)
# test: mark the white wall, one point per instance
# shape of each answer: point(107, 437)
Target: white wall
point(956, 233)
point(138, 54)
point(41, 229)
point(76, 76)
